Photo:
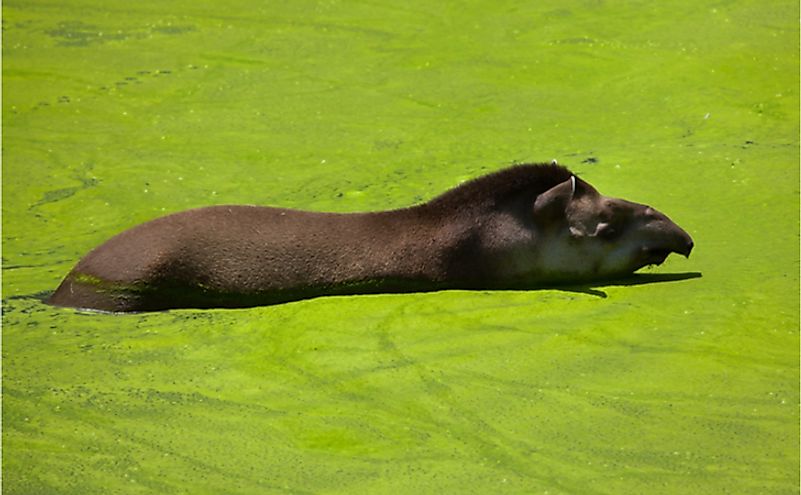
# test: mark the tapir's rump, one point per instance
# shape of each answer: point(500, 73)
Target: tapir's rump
point(526, 226)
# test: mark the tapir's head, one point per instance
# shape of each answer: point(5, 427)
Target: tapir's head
point(585, 235)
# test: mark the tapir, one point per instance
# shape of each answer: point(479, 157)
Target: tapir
point(527, 226)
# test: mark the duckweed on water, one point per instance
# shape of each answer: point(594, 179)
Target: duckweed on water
point(668, 384)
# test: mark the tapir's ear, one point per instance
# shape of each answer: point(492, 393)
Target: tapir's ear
point(581, 188)
point(551, 205)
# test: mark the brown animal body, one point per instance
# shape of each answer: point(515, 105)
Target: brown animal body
point(526, 226)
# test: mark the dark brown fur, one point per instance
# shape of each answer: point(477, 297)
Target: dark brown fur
point(498, 187)
point(240, 256)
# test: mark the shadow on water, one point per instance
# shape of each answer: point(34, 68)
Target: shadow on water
point(635, 279)
point(589, 288)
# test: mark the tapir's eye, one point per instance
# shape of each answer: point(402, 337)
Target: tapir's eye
point(606, 231)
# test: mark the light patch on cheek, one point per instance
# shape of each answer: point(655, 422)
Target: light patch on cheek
point(617, 259)
point(566, 258)
point(583, 258)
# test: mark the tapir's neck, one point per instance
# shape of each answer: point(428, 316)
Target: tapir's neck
point(401, 246)
point(432, 248)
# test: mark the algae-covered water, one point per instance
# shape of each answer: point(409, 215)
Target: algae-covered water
point(117, 112)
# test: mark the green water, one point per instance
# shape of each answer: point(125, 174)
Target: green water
point(117, 112)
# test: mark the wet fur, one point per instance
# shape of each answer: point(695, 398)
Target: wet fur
point(476, 235)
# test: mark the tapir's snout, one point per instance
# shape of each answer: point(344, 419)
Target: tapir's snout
point(688, 247)
point(668, 238)
point(680, 241)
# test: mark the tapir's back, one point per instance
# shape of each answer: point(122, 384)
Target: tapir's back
point(121, 274)
point(226, 256)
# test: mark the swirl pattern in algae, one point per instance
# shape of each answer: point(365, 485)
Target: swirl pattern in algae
point(117, 112)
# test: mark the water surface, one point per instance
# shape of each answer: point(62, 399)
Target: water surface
point(115, 113)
